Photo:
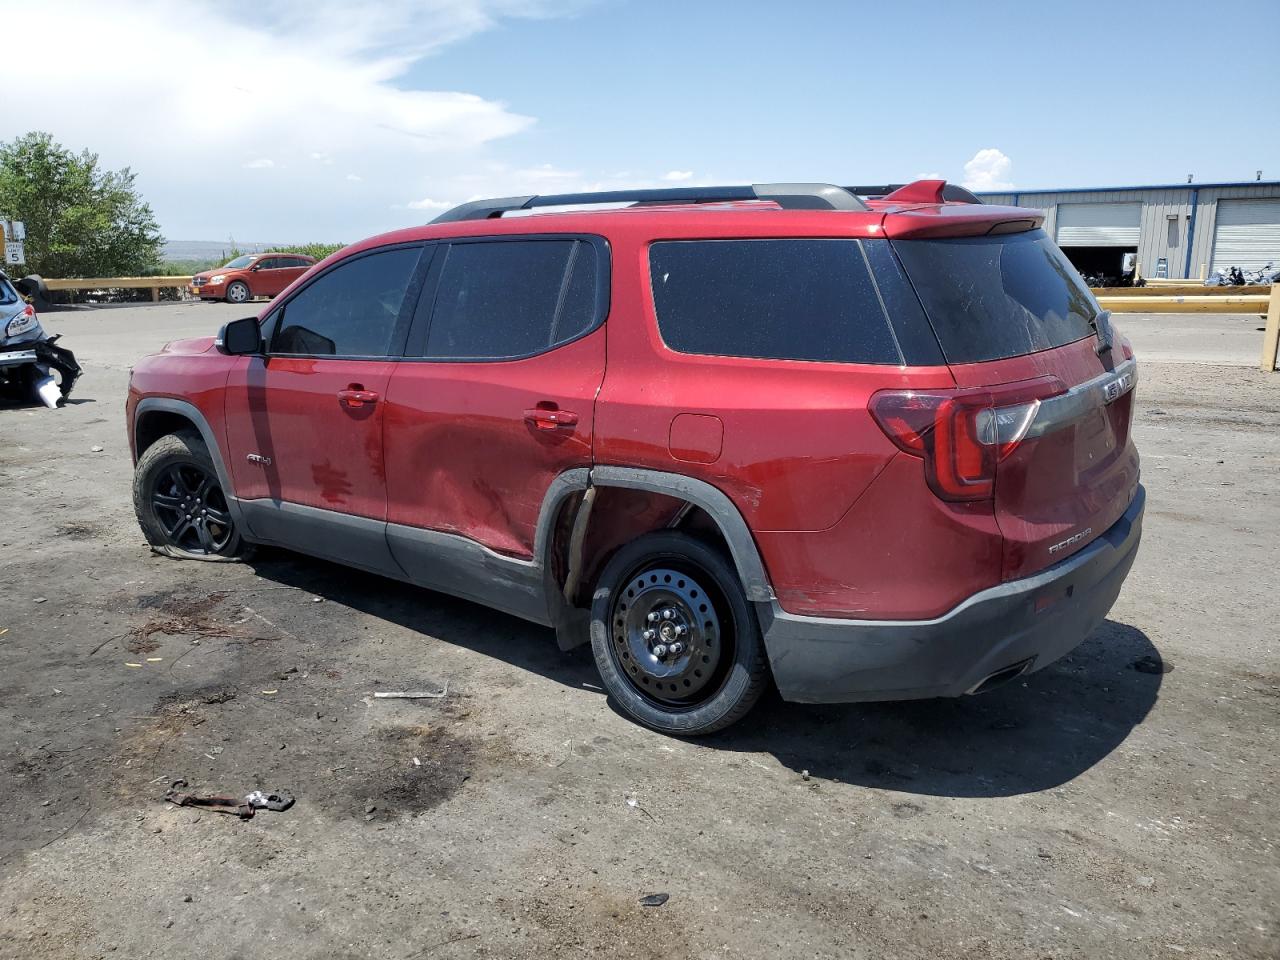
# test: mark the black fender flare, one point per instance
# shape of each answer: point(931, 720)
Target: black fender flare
point(190, 411)
point(742, 546)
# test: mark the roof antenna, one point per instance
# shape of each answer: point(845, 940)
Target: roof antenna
point(1259, 176)
point(1188, 178)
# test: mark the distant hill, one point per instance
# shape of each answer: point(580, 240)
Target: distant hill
point(209, 249)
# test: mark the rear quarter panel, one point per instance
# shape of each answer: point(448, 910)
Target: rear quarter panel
point(799, 454)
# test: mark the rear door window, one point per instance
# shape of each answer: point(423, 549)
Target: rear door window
point(783, 299)
point(994, 297)
point(504, 299)
point(351, 310)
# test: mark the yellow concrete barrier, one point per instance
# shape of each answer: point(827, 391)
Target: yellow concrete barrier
point(155, 284)
point(1271, 339)
point(1196, 304)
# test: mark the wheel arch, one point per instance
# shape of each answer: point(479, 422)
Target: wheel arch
point(239, 279)
point(566, 516)
point(156, 417)
point(715, 503)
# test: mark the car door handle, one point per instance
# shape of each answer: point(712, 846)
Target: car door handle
point(356, 396)
point(545, 419)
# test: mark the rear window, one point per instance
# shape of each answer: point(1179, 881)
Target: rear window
point(788, 299)
point(995, 297)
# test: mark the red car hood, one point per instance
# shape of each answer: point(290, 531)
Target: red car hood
point(189, 348)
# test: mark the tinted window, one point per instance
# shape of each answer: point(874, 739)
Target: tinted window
point(7, 293)
point(773, 299)
point(351, 310)
point(512, 298)
point(994, 297)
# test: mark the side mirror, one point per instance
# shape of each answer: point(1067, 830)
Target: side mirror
point(240, 337)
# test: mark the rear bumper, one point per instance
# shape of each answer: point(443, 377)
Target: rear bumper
point(827, 660)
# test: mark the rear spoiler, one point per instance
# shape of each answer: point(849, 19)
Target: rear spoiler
point(919, 191)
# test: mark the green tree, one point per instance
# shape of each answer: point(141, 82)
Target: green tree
point(82, 221)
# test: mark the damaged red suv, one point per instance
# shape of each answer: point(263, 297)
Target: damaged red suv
point(862, 447)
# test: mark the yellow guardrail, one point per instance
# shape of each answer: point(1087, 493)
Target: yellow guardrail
point(1249, 303)
point(155, 284)
point(1261, 303)
point(1181, 288)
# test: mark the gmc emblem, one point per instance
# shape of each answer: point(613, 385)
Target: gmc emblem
point(1117, 387)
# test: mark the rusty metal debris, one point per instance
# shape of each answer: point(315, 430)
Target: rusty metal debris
point(276, 800)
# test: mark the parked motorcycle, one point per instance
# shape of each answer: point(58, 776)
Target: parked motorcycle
point(1264, 275)
point(31, 364)
point(1230, 277)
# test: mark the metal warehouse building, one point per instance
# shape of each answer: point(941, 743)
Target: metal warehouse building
point(1182, 231)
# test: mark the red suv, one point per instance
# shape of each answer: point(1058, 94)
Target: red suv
point(867, 447)
point(251, 275)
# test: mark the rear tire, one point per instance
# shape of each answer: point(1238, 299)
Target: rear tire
point(676, 643)
point(180, 503)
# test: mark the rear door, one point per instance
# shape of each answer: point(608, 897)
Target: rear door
point(273, 274)
point(1010, 308)
point(496, 395)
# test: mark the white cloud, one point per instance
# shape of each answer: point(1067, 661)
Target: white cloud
point(354, 177)
point(426, 203)
point(988, 170)
point(303, 84)
point(677, 176)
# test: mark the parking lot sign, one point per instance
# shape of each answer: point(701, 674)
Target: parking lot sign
point(13, 254)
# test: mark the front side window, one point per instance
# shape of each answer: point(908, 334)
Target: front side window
point(505, 299)
point(351, 310)
point(784, 299)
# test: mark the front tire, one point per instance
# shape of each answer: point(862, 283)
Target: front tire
point(180, 503)
point(675, 640)
point(238, 292)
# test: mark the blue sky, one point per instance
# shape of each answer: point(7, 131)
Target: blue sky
point(319, 120)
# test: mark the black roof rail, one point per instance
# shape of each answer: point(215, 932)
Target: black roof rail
point(790, 196)
point(952, 191)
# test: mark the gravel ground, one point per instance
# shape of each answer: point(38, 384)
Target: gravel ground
point(1093, 810)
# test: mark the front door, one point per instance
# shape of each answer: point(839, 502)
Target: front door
point(304, 421)
point(496, 395)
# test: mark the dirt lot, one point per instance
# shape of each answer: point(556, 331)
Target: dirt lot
point(1092, 811)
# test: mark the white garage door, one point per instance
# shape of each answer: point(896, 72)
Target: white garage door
point(1098, 224)
point(1246, 234)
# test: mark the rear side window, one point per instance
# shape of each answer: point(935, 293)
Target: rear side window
point(506, 299)
point(350, 311)
point(792, 299)
point(995, 297)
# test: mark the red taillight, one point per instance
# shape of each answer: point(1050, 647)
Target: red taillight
point(962, 434)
